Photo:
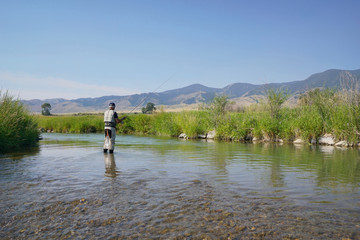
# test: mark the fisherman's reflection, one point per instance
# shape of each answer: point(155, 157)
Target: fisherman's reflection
point(110, 166)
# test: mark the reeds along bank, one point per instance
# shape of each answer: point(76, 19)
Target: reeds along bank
point(18, 128)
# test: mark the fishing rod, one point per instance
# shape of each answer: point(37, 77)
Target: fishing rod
point(149, 94)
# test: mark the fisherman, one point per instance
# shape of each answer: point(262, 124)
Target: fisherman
point(110, 119)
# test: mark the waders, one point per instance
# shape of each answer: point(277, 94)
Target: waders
point(109, 141)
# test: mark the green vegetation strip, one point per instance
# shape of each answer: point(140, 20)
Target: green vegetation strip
point(318, 112)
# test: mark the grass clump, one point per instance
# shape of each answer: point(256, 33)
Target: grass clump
point(18, 128)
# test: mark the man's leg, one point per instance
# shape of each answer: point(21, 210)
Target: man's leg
point(113, 136)
point(107, 141)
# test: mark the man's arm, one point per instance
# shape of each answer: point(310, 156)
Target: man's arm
point(117, 120)
point(122, 119)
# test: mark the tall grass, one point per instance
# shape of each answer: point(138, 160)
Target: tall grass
point(330, 111)
point(18, 128)
point(193, 123)
point(72, 123)
point(166, 124)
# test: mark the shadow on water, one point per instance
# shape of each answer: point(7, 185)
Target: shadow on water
point(22, 153)
point(163, 188)
point(15, 161)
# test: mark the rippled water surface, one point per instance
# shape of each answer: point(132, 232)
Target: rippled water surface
point(163, 188)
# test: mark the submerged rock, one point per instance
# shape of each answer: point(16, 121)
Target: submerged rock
point(327, 149)
point(202, 136)
point(342, 144)
point(211, 134)
point(255, 139)
point(266, 139)
point(327, 140)
point(299, 141)
point(183, 135)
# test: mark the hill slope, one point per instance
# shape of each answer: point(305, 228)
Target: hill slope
point(197, 93)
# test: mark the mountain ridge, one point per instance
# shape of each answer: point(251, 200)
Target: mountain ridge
point(197, 93)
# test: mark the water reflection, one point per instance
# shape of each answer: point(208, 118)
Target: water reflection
point(327, 149)
point(174, 189)
point(110, 166)
point(21, 153)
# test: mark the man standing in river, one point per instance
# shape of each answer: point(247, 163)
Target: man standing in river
point(110, 119)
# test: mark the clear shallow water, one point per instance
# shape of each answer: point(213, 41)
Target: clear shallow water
point(170, 188)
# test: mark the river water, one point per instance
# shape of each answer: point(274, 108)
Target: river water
point(165, 188)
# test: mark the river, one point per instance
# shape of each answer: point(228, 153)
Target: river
point(166, 188)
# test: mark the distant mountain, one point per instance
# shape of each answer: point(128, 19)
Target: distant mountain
point(198, 93)
point(332, 78)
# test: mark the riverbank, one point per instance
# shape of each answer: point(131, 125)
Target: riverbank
point(300, 124)
point(18, 128)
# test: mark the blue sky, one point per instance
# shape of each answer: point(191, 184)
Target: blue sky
point(86, 48)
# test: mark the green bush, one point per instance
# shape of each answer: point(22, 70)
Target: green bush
point(275, 100)
point(18, 128)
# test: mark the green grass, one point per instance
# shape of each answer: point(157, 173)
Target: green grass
point(18, 129)
point(72, 123)
point(310, 119)
point(301, 122)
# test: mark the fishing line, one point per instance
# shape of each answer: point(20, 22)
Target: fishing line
point(149, 94)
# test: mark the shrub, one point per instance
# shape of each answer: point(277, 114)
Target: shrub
point(18, 128)
point(217, 109)
point(275, 99)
